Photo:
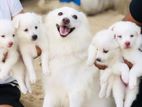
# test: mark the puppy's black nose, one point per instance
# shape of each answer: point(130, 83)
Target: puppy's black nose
point(66, 21)
point(34, 37)
point(98, 59)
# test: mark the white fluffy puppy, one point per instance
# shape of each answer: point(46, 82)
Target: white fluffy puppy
point(71, 83)
point(10, 62)
point(105, 53)
point(30, 33)
point(129, 38)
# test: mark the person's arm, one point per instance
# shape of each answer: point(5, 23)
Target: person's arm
point(135, 12)
point(15, 7)
point(129, 17)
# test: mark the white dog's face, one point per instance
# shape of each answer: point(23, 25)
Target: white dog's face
point(65, 21)
point(126, 34)
point(7, 34)
point(104, 48)
point(28, 26)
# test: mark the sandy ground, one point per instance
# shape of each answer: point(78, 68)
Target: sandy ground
point(97, 23)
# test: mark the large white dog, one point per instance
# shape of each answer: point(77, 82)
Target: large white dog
point(129, 38)
point(30, 33)
point(105, 53)
point(10, 62)
point(71, 83)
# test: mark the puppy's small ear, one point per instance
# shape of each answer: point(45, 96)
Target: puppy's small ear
point(138, 30)
point(16, 21)
point(111, 28)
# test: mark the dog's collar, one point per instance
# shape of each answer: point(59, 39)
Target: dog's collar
point(129, 64)
point(100, 66)
point(5, 55)
point(38, 50)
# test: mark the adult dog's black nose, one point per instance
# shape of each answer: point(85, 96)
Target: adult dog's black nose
point(34, 37)
point(66, 21)
point(98, 59)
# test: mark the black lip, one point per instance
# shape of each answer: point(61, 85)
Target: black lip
point(71, 30)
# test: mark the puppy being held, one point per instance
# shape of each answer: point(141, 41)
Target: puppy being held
point(129, 39)
point(31, 36)
point(104, 53)
point(10, 62)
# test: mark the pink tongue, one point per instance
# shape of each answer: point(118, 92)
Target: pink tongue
point(64, 31)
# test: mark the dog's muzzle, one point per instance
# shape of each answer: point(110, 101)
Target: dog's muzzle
point(64, 29)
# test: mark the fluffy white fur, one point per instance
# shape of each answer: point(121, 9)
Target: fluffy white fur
point(104, 50)
point(30, 33)
point(71, 83)
point(129, 38)
point(12, 65)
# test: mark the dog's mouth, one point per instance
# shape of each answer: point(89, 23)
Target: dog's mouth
point(64, 30)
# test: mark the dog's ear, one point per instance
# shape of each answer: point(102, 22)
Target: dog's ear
point(111, 27)
point(84, 18)
point(91, 54)
point(16, 21)
point(138, 30)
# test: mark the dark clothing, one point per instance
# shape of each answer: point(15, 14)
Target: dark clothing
point(136, 12)
point(10, 95)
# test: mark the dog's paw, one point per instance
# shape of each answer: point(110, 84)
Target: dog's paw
point(132, 83)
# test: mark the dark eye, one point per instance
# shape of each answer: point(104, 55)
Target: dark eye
point(60, 13)
point(13, 35)
point(131, 35)
point(2, 36)
point(26, 30)
point(75, 16)
point(105, 51)
point(36, 27)
point(119, 36)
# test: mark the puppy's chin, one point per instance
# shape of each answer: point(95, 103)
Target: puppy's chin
point(64, 30)
point(127, 47)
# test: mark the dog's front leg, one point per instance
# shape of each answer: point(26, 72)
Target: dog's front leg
point(135, 73)
point(18, 72)
point(9, 63)
point(130, 96)
point(44, 62)
point(122, 70)
point(118, 92)
point(104, 78)
point(28, 61)
point(104, 75)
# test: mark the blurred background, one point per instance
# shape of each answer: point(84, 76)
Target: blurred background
point(100, 13)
